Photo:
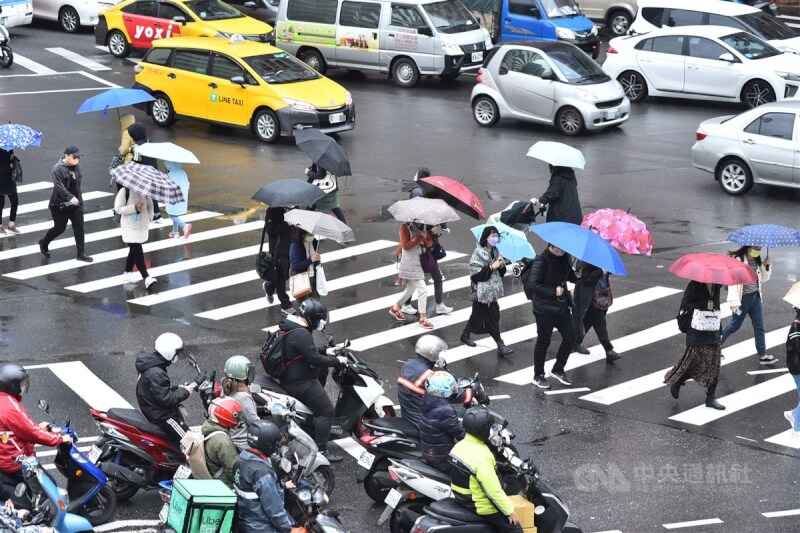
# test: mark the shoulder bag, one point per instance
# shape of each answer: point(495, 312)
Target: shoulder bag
point(327, 183)
point(438, 250)
point(265, 261)
point(602, 298)
point(16, 169)
point(705, 320)
point(300, 285)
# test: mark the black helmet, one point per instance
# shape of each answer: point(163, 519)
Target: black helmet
point(315, 313)
point(264, 436)
point(13, 379)
point(480, 421)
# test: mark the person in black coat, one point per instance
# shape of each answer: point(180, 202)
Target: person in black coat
point(586, 315)
point(561, 197)
point(280, 237)
point(8, 187)
point(546, 287)
point(439, 426)
point(701, 360)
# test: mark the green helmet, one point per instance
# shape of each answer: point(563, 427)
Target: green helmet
point(239, 367)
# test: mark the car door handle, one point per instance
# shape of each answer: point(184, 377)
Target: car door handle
point(391, 35)
point(692, 67)
point(374, 36)
point(646, 60)
point(748, 141)
point(171, 76)
point(212, 85)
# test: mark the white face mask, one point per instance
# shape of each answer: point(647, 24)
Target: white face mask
point(321, 325)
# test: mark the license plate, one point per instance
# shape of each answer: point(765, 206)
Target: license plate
point(162, 515)
point(336, 118)
point(393, 498)
point(477, 56)
point(611, 115)
point(183, 472)
point(94, 454)
point(366, 460)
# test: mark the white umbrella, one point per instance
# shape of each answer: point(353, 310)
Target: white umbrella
point(168, 152)
point(793, 296)
point(557, 154)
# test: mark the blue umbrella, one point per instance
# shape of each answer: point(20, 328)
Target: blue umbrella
point(513, 243)
point(114, 98)
point(765, 235)
point(18, 136)
point(583, 244)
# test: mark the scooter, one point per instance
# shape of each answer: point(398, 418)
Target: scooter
point(6, 55)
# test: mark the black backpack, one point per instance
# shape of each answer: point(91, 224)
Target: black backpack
point(273, 354)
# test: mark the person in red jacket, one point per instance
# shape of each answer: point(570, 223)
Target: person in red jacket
point(18, 432)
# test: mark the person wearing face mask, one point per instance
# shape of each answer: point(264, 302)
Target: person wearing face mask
point(306, 365)
point(745, 300)
point(546, 286)
point(414, 239)
point(303, 257)
point(486, 268)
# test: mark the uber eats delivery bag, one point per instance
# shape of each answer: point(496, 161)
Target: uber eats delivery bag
point(201, 506)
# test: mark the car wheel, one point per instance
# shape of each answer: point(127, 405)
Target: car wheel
point(485, 112)
point(118, 44)
point(570, 121)
point(734, 176)
point(405, 73)
point(619, 22)
point(314, 59)
point(161, 111)
point(69, 19)
point(756, 93)
point(634, 85)
point(266, 126)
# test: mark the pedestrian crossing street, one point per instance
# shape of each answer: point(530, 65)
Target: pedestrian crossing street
point(209, 279)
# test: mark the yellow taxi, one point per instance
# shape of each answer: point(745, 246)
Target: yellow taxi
point(240, 83)
point(137, 23)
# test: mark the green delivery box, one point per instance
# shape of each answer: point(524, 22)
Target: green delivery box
point(201, 506)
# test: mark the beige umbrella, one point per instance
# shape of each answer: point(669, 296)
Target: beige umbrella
point(793, 296)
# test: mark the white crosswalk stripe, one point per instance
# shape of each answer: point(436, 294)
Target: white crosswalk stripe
point(79, 59)
point(24, 209)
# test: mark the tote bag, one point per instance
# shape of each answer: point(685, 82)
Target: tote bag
point(300, 285)
point(322, 288)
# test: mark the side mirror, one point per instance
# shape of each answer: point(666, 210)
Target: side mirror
point(502, 71)
point(180, 20)
point(425, 30)
point(535, 13)
point(250, 4)
point(43, 405)
point(255, 388)
point(238, 80)
point(727, 56)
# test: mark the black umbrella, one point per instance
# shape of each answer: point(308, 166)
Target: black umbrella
point(323, 151)
point(289, 193)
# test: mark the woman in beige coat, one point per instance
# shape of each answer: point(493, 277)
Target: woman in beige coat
point(136, 213)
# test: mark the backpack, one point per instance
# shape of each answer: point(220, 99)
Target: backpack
point(193, 448)
point(273, 353)
point(684, 319)
point(525, 276)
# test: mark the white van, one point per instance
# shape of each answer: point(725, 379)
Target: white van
point(404, 38)
point(617, 15)
point(655, 14)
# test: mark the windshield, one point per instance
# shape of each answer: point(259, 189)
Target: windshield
point(577, 67)
point(450, 17)
point(560, 8)
point(280, 68)
point(750, 46)
point(212, 10)
point(767, 26)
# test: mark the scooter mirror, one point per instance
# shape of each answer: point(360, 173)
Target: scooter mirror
point(255, 388)
point(43, 405)
point(19, 490)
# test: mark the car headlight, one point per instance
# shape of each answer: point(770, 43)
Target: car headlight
point(487, 39)
point(594, 29)
point(297, 105)
point(348, 98)
point(565, 33)
point(586, 95)
point(451, 49)
point(788, 75)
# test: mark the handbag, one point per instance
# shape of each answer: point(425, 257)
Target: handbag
point(705, 320)
point(16, 169)
point(438, 250)
point(327, 184)
point(300, 285)
point(321, 280)
point(428, 261)
point(265, 261)
point(116, 161)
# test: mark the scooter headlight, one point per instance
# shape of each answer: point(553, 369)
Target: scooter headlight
point(304, 495)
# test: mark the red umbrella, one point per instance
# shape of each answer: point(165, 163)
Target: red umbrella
point(713, 268)
point(454, 193)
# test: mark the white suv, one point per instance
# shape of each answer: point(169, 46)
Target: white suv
point(617, 15)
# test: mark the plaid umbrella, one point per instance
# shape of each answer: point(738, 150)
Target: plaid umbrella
point(320, 224)
point(423, 210)
point(18, 136)
point(148, 181)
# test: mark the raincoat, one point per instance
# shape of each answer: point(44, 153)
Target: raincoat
point(178, 175)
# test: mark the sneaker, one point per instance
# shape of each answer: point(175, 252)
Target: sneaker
point(580, 348)
point(332, 457)
point(408, 309)
point(612, 356)
point(425, 323)
point(442, 309)
point(130, 277)
point(13, 228)
point(187, 230)
point(789, 415)
point(149, 281)
point(287, 310)
point(85, 258)
point(562, 377)
point(541, 382)
point(397, 314)
point(157, 216)
point(795, 435)
point(767, 359)
point(270, 296)
point(173, 235)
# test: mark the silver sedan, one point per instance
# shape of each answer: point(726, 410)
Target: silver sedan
point(547, 82)
point(758, 146)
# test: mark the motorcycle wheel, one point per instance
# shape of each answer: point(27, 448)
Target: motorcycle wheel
point(6, 57)
point(124, 491)
point(101, 508)
point(324, 477)
point(375, 489)
point(411, 509)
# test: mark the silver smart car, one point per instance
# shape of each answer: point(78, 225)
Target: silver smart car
point(547, 82)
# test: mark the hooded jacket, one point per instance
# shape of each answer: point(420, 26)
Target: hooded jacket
point(126, 142)
point(18, 433)
point(157, 398)
point(302, 356)
point(178, 175)
point(66, 184)
point(135, 225)
point(561, 197)
point(138, 133)
point(259, 494)
point(439, 428)
point(220, 451)
point(793, 348)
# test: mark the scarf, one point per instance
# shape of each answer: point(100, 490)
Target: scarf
point(491, 290)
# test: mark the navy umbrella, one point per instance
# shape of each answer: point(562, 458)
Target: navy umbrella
point(289, 193)
point(766, 235)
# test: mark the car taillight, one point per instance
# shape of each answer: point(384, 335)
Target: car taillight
point(611, 50)
point(700, 135)
point(479, 79)
point(367, 439)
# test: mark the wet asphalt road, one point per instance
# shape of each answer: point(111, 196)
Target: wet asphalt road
point(624, 466)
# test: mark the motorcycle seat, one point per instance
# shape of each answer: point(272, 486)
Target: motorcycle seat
point(450, 509)
point(268, 383)
point(134, 418)
point(427, 470)
point(394, 424)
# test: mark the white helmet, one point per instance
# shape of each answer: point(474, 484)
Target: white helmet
point(429, 347)
point(169, 346)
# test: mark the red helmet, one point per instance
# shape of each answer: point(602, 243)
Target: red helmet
point(224, 411)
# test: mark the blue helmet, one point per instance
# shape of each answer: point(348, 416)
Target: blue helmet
point(441, 384)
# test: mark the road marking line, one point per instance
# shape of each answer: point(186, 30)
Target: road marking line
point(567, 391)
point(770, 371)
point(778, 514)
point(49, 453)
point(42, 226)
point(111, 526)
point(42, 205)
point(98, 79)
point(35, 186)
point(85, 383)
point(258, 304)
point(31, 65)
point(655, 380)
point(99, 236)
point(351, 446)
point(693, 523)
point(785, 438)
point(75, 58)
point(123, 252)
point(55, 91)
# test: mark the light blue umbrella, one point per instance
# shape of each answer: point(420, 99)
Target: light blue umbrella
point(513, 243)
point(18, 136)
point(766, 235)
point(582, 244)
point(114, 98)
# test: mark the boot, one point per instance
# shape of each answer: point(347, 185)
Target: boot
point(711, 400)
point(466, 340)
point(675, 389)
point(503, 350)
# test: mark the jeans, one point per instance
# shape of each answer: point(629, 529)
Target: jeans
point(12, 217)
point(751, 305)
point(279, 285)
point(312, 393)
point(438, 292)
point(422, 294)
point(60, 219)
point(544, 329)
point(177, 223)
point(595, 318)
point(796, 410)
point(136, 257)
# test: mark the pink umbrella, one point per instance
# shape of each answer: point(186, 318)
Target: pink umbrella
point(707, 267)
point(622, 230)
